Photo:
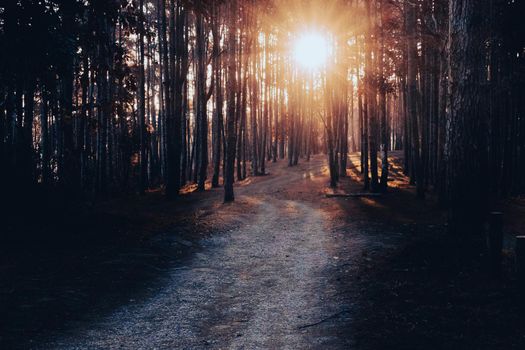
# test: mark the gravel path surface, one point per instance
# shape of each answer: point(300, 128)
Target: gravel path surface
point(270, 282)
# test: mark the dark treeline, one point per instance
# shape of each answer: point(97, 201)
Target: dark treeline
point(101, 97)
point(105, 97)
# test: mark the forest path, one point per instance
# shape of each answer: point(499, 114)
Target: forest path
point(270, 282)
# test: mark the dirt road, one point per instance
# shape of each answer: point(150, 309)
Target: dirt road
point(284, 267)
point(274, 279)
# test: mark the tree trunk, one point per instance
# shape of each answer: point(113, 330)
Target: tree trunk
point(230, 122)
point(202, 119)
point(412, 96)
point(142, 103)
point(218, 117)
point(467, 129)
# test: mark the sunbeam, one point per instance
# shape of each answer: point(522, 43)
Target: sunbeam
point(311, 50)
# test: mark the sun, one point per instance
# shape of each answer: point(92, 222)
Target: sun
point(311, 50)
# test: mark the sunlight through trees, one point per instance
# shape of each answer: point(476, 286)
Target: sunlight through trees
point(108, 97)
point(311, 50)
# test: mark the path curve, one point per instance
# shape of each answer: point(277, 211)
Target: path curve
point(265, 284)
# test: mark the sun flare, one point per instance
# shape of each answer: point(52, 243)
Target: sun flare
point(311, 50)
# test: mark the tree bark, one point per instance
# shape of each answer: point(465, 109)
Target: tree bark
point(467, 129)
point(231, 134)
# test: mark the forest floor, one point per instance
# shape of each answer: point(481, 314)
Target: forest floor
point(284, 267)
